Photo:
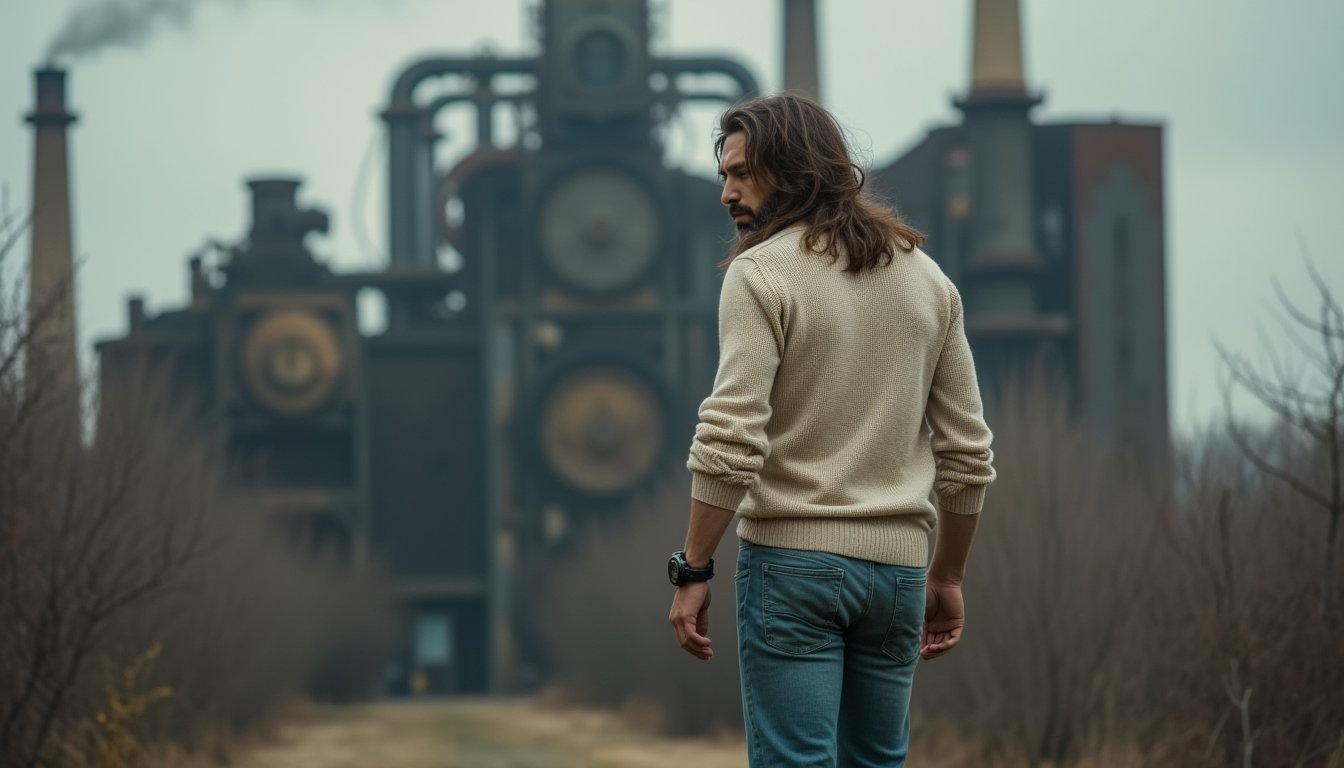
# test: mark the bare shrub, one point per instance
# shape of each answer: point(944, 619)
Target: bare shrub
point(1254, 665)
point(1114, 617)
point(1245, 666)
point(91, 534)
point(603, 616)
point(1051, 590)
point(136, 542)
point(252, 622)
point(1301, 383)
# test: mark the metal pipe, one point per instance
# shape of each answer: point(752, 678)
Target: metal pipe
point(410, 171)
point(746, 82)
point(410, 138)
point(401, 142)
point(481, 67)
point(448, 99)
point(422, 177)
point(484, 103)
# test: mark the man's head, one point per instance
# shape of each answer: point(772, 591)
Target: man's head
point(746, 194)
point(784, 160)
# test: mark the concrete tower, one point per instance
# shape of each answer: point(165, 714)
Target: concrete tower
point(1054, 234)
point(52, 363)
point(801, 74)
point(1002, 264)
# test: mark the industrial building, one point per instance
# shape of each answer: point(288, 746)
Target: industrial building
point(553, 370)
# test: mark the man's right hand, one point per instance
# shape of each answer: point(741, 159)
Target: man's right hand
point(944, 618)
point(690, 619)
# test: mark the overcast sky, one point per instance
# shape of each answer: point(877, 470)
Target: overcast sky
point(1249, 92)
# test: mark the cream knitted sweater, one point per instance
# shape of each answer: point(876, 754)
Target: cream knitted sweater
point(841, 400)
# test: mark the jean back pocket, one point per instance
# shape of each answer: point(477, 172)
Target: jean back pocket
point(800, 606)
point(907, 621)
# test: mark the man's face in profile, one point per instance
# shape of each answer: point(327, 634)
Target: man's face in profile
point(747, 196)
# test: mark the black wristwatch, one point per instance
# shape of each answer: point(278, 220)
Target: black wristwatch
point(678, 572)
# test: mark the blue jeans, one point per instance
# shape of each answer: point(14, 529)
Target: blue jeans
point(827, 647)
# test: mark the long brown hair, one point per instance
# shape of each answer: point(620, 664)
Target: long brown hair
point(799, 150)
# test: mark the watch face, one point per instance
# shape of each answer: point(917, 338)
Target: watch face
point(673, 571)
point(291, 362)
point(599, 230)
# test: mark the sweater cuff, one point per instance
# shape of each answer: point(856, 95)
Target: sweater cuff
point(715, 492)
point(967, 501)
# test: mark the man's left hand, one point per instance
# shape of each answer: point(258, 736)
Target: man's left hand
point(690, 619)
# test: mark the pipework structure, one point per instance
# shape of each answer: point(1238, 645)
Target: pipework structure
point(551, 319)
point(551, 308)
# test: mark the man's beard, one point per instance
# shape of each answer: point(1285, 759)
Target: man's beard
point(756, 218)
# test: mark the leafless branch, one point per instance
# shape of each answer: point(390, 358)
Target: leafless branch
point(1280, 396)
point(1320, 327)
point(1254, 456)
point(1311, 405)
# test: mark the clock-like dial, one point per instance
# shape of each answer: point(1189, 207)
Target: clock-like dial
point(292, 362)
point(599, 230)
point(600, 60)
point(602, 430)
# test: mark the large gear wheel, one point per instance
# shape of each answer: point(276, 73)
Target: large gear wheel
point(603, 429)
point(292, 362)
point(599, 230)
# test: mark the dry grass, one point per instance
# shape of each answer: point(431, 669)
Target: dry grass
point(476, 733)
point(539, 733)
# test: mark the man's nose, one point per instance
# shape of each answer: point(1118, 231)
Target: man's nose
point(730, 194)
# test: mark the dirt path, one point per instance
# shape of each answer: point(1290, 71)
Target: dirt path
point(478, 734)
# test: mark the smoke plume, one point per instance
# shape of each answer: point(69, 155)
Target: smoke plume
point(92, 26)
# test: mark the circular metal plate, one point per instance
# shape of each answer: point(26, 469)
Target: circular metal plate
point(602, 430)
point(599, 230)
point(292, 362)
point(600, 60)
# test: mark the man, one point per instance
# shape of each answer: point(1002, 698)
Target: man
point(845, 395)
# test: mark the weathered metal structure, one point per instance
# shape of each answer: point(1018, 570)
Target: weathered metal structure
point(1055, 235)
point(535, 384)
point(551, 307)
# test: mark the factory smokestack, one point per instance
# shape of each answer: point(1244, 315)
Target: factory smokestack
point(52, 367)
point(996, 57)
point(800, 48)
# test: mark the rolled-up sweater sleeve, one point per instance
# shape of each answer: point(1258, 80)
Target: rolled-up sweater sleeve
point(961, 439)
point(730, 444)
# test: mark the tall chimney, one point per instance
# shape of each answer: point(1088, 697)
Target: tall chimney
point(800, 48)
point(52, 364)
point(1007, 319)
point(996, 57)
point(998, 135)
